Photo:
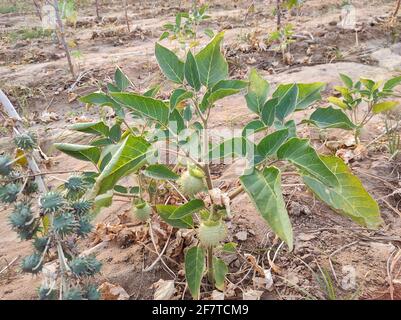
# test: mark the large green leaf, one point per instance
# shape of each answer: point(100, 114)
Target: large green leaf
point(392, 83)
point(301, 154)
point(160, 172)
point(347, 81)
point(192, 72)
point(194, 269)
point(264, 190)
point(97, 128)
point(258, 90)
point(178, 96)
point(121, 79)
point(287, 102)
point(269, 145)
point(220, 270)
point(220, 90)
point(324, 118)
point(129, 157)
point(165, 211)
point(80, 152)
point(384, 106)
point(101, 99)
point(253, 127)
point(187, 209)
point(212, 66)
point(308, 93)
point(152, 108)
point(349, 197)
point(171, 66)
point(268, 111)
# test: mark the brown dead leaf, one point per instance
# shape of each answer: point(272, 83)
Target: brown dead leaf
point(110, 291)
point(72, 97)
point(252, 261)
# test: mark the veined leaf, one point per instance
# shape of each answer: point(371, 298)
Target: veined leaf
point(97, 98)
point(97, 128)
point(121, 79)
point(171, 66)
point(220, 90)
point(392, 83)
point(178, 96)
point(287, 103)
point(338, 102)
point(160, 172)
point(152, 92)
point(264, 190)
point(212, 66)
point(301, 154)
point(192, 72)
point(269, 145)
point(220, 270)
point(153, 109)
point(347, 81)
point(384, 106)
point(129, 157)
point(80, 152)
point(308, 93)
point(324, 118)
point(187, 209)
point(231, 148)
point(165, 211)
point(194, 269)
point(349, 197)
point(258, 90)
point(253, 127)
point(268, 111)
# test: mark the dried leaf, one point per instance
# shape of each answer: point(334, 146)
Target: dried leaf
point(110, 291)
point(165, 289)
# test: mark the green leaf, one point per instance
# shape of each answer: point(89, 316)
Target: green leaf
point(269, 145)
point(164, 35)
point(308, 93)
point(258, 90)
point(338, 102)
point(129, 157)
point(102, 201)
point(324, 118)
point(121, 79)
point(192, 72)
point(287, 103)
point(212, 66)
point(301, 154)
point(97, 98)
point(97, 128)
point(80, 152)
point(187, 209)
point(220, 270)
point(153, 109)
point(347, 81)
point(349, 197)
point(229, 247)
point(220, 90)
point(165, 211)
point(178, 96)
point(115, 133)
point(209, 32)
point(269, 111)
point(264, 190)
point(160, 172)
point(392, 83)
point(384, 106)
point(194, 269)
point(253, 127)
point(171, 66)
point(152, 92)
point(231, 148)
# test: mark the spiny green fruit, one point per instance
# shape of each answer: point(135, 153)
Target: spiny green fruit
point(51, 202)
point(5, 166)
point(40, 243)
point(85, 266)
point(75, 186)
point(81, 207)
point(91, 292)
point(31, 264)
point(64, 224)
point(47, 293)
point(30, 187)
point(9, 192)
point(211, 233)
point(191, 182)
point(21, 216)
point(26, 141)
point(142, 210)
point(73, 294)
point(84, 227)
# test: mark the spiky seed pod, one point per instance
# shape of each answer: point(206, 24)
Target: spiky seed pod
point(26, 141)
point(40, 243)
point(30, 187)
point(9, 192)
point(75, 186)
point(51, 202)
point(142, 211)
point(81, 207)
point(85, 266)
point(64, 224)
point(31, 264)
point(47, 293)
point(211, 233)
point(84, 227)
point(191, 183)
point(21, 216)
point(5, 166)
point(30, 231)
point(91, 292)
point(73, 294)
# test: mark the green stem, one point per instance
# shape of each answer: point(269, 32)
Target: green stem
point(210, 269)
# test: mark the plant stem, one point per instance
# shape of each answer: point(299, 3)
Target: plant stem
point(210, 269)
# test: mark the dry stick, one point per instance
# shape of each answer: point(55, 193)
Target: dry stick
point(9, 265)
point(62, 36)
point(397, 8)
point(160, 254)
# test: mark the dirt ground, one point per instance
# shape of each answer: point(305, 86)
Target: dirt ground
point(34, 74)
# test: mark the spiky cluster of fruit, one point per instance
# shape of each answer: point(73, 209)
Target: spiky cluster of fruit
point(57, 221)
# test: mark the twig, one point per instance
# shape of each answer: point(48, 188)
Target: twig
point(9, 265)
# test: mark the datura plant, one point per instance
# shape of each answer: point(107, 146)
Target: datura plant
point(53, 221)
point(356, 103)
point(166, 147)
